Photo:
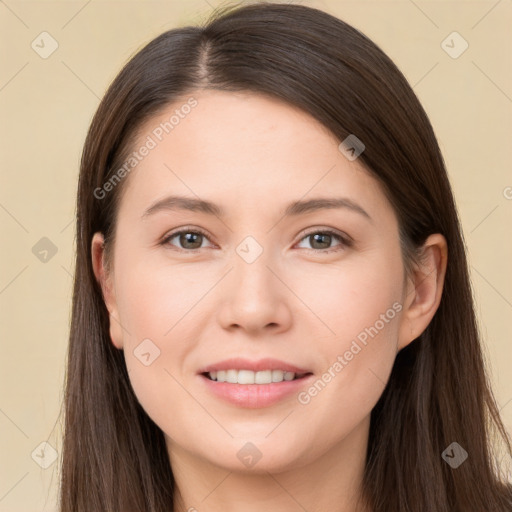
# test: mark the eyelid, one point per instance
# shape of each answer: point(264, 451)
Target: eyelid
point(310, 231)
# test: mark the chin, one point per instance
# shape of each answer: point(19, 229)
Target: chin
point(259, 456)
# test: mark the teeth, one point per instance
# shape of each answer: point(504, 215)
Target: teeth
point(250, 377)
point(277, 375)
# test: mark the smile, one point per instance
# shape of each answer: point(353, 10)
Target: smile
point(255, 395)
point(249, 377)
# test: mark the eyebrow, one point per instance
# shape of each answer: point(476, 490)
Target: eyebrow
point(295, 208)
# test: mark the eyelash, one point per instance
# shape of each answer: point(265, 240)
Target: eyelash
point(345, 240)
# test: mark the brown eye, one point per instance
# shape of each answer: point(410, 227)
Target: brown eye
point(321, 241)
point(188, 239)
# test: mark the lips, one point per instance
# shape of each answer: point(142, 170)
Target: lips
point(259, 394)
point(255, 396)
point(255, 366)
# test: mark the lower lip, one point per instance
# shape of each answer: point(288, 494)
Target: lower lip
point(255, 396)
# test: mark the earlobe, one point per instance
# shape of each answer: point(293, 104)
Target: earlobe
point(106, 283)
point(425, 289)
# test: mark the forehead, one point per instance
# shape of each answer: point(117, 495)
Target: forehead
point(244, 150)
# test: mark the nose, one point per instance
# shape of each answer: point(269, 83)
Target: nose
point(255, 298)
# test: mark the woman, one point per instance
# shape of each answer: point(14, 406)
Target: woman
point(256, 367)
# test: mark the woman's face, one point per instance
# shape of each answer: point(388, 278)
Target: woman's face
point(259, 276)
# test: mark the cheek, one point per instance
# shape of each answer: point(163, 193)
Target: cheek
point(361, 307)
point(155, 301)
point(358, 362)
point(350, 296)
point(161, 316)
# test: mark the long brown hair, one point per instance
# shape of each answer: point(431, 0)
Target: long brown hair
point(114, 456)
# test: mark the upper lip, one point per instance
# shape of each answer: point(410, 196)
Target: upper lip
point(239, 363)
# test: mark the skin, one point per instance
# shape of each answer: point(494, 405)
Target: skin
point(296, 302)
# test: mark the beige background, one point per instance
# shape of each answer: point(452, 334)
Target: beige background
point(45, 109)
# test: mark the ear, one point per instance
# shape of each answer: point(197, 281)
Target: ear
point(106, 282)
point(423, 290)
